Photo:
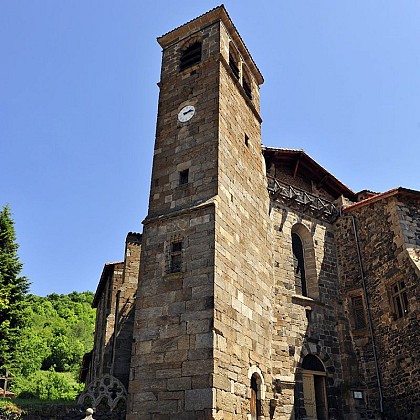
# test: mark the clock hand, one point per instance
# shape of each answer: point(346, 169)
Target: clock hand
point(187, 112)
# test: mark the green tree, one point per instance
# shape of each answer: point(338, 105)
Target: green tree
point(13, 289)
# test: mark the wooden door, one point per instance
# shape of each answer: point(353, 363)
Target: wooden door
point(254, 402)
point(320, 398)
point(309, 396)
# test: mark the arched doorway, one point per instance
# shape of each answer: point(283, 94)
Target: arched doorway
point(256, 393)
point(314, 388)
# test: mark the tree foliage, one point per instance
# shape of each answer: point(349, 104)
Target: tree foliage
point(48, 385)
point(58, 332)
point(13, 289)
point(42, 339)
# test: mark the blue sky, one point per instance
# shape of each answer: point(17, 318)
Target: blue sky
point(78, 103)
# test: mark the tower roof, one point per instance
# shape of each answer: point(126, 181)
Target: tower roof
point(217, 14)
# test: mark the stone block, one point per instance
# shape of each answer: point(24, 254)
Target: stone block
point(204, 340)
point(198, 326)
point(198, 399)
point(197, 367)
point(177, 384)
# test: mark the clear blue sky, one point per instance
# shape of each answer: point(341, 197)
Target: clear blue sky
point(78, 102)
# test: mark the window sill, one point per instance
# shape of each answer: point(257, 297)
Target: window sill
point(174, 276)
point(360, 332)
point(305, 300)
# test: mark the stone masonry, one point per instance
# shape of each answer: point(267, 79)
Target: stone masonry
point(388, 234)
point(267, 288)
point(114, 303)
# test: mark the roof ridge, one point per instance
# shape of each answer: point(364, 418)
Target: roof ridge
point(192, 20)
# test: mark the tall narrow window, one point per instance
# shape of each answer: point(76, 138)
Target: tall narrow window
point(176, 257)
point(358, 313)
point(399, 299)
point(190, 55)
point(299, 265)
point(183, 177)
point(246, 84)
point(234, 65)
point(234, 60)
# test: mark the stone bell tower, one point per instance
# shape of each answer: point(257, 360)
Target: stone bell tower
point(202, 333)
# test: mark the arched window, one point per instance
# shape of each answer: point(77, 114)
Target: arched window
point(190, 55)
point(304, 265)
point(246, 82)
point(234, 60)
point(299, 265)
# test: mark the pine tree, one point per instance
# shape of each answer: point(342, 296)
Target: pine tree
point(13, 289)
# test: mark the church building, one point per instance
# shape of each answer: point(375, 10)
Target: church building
point(261, 287)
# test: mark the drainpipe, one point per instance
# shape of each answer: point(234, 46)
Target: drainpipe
point(365, 294)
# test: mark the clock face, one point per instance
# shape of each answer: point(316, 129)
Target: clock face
point(186, 113)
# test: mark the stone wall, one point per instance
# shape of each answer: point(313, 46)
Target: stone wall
point(172, 356)
point(243, 251)
point(305, 324)
point(114, 302)
point(124, 308)
point(383, 233)
point(358, 361)
point(180, 146)
point(104, 302)
point(172, 361)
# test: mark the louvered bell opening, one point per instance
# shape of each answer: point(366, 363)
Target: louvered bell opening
point(190, 56)
point(247, 88)
point(234, 67)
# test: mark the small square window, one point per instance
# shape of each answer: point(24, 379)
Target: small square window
point(358, 395)
point(183, 177)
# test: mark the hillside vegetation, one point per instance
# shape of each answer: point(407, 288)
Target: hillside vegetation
point(57, 332)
